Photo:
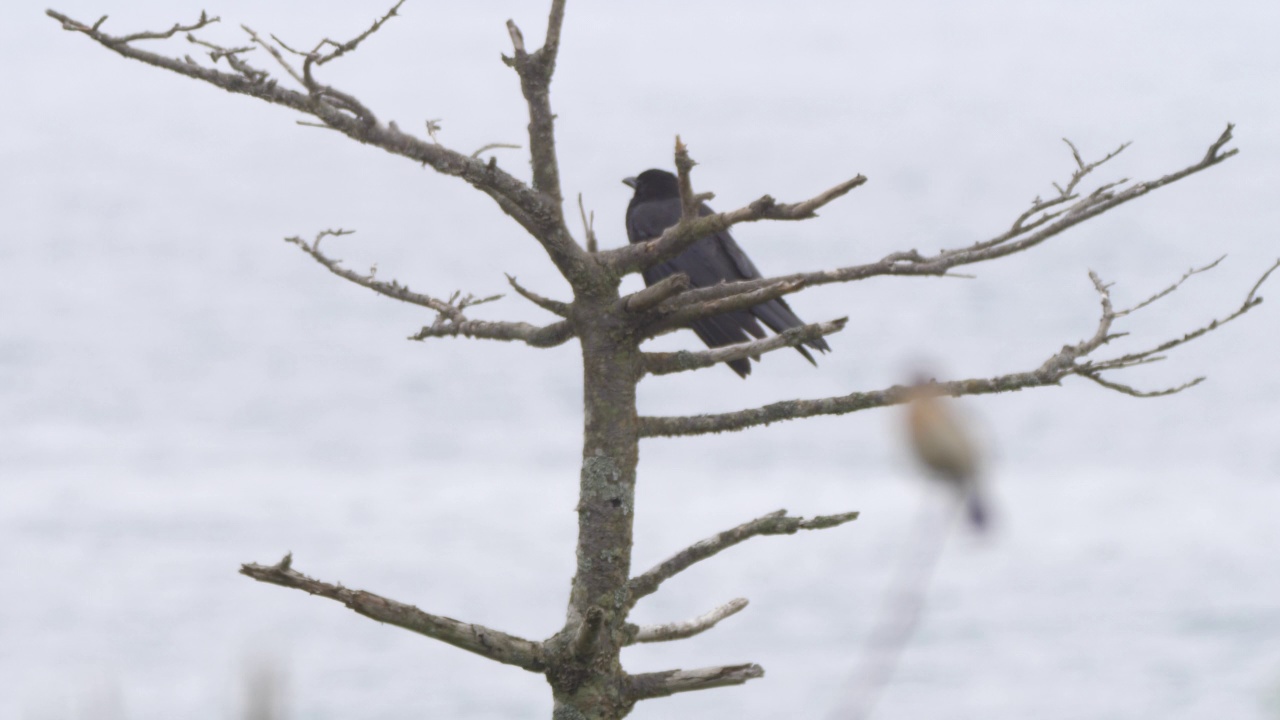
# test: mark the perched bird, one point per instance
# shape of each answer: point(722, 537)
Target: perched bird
point(942, 443)
point(709, 261)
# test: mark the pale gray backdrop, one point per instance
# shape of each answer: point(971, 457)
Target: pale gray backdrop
point(181, 391)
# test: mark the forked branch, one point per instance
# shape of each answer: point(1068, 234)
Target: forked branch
point(451, 308)
point(677, 238)
point(535, 210)
point(1068, 361)
point(535, 70)
point(1053, 218)
point(493, 644)
point(450, 320)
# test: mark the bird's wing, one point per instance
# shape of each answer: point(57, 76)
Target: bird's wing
point(777, 314)
point(647, 220)
point(743, 268)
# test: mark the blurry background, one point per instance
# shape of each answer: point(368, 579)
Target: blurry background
point(181, 391)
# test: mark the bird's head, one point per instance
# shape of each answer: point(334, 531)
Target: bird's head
point(654, 185)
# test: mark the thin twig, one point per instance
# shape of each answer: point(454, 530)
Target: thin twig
point(556, 307)
point(588, 226)
point(391, 289)
point(341, 49)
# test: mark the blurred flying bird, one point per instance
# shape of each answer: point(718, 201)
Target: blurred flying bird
point(711, 260)
point(943, 443)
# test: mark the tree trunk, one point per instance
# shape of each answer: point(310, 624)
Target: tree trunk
point(590, 683)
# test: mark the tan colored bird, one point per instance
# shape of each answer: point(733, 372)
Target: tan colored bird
point(943, 443)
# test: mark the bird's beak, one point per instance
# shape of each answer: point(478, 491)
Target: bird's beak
point(629, 182)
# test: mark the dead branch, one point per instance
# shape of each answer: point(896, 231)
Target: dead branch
point(656, 293)
point(535, 70)
point(677, 238)
point(689, 203)
point(662, 684)
point(555, 307)
point(664, 363)
point(340, 49)
point(534, 210)
point(556, 333)
point(451, 308)
point(494, 146)
point(1145, 356)
point(493, 644)
point(1169, 290)
point(775, 523)
point(738, 296)
point(588, 226)
point(688, 628)
point(1022, 236)
point(1062, 364)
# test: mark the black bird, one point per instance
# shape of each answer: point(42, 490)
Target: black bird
point(709, 261)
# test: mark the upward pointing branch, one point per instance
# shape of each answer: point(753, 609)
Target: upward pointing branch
point(535, 71)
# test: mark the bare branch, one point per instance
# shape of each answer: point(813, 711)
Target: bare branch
point(1129, 390)
point(666, 363)
point(662, 684)
point(1169, 290)
point(494, 146)
point(684, 165)
point(1022, 236)
point(552, 306)
point(689, 628)
point(177, 28)
point(1066, 362)
point(677, 238)
point(588, 226)
point(556, 333)
point(341, 49)
point(1139, 358)
point(1252, 298)
point(656, 293)
point(391, 289)
point(276, 54)
point(478, 639)
point(451, 322)
point(535, 212)
point(775, 523)
point(217, 52)
point(1212, 155)
point(535, 71)
point(736, 296)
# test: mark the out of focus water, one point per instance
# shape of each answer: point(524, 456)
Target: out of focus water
point(180, 391)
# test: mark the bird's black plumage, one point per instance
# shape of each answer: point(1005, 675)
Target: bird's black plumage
point(711, 260)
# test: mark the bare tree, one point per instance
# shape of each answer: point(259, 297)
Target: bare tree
point(581, 661)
